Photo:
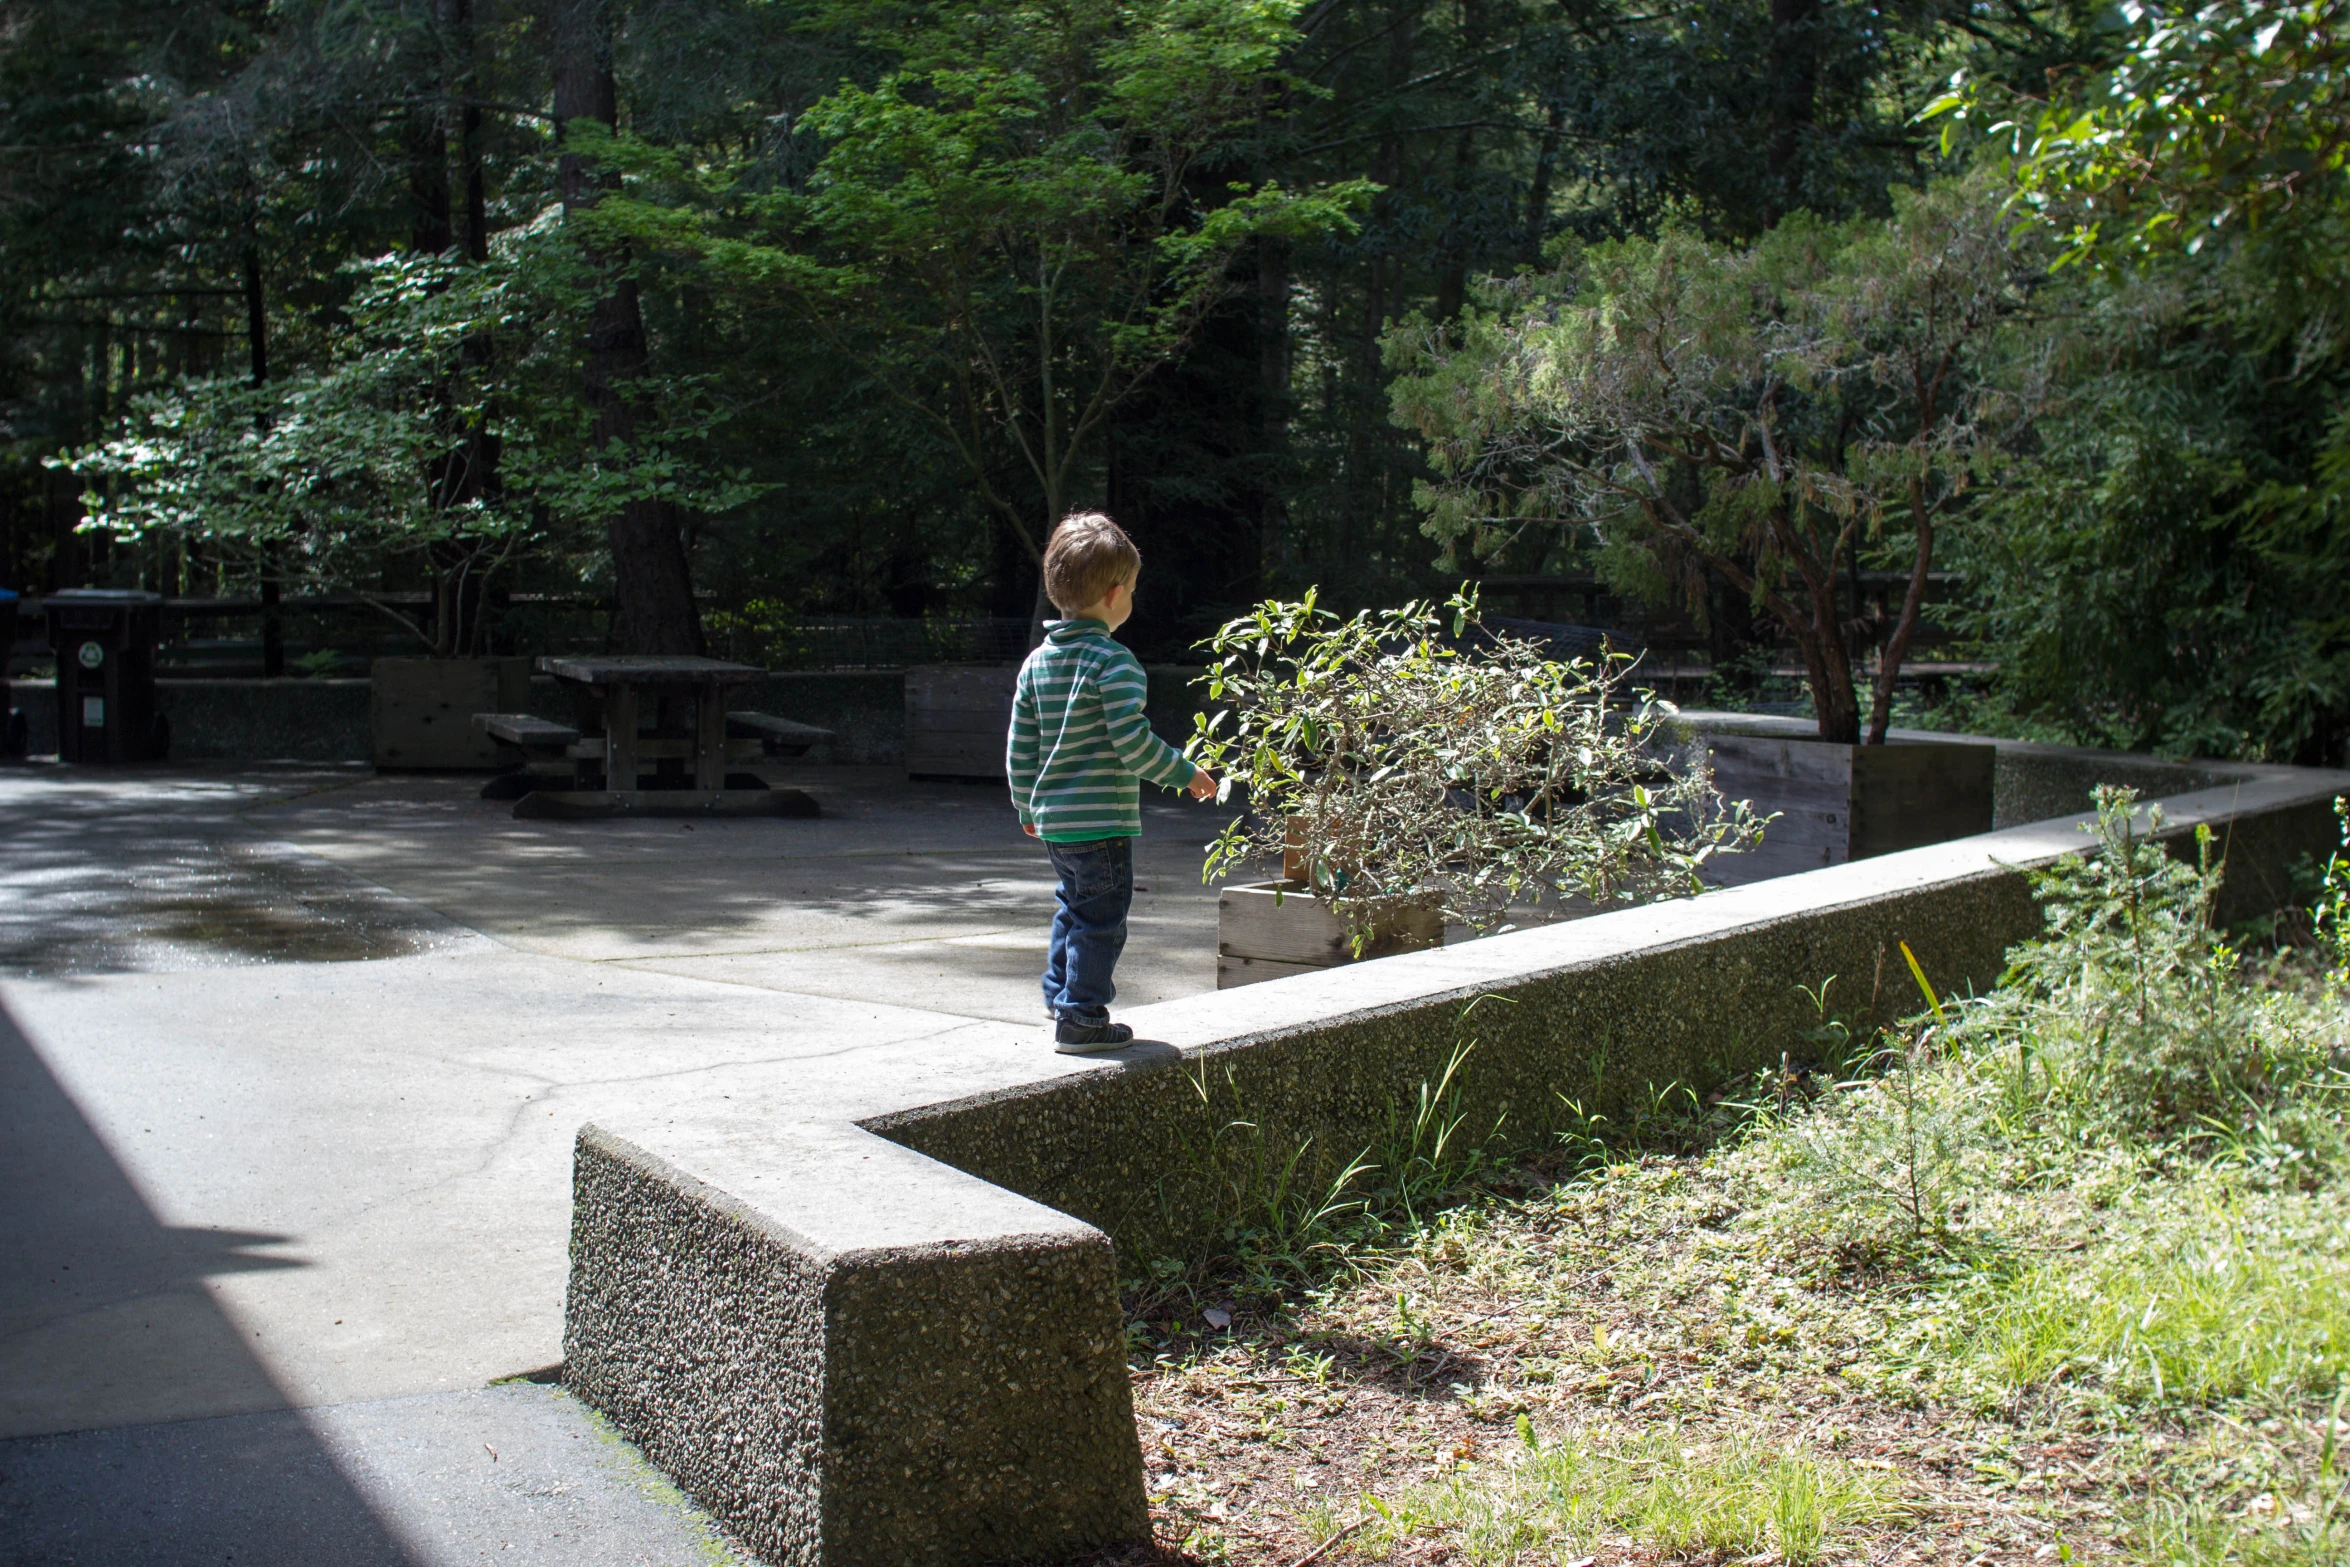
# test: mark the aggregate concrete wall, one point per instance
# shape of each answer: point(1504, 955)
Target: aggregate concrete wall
point(910, 1368)
point(720, 1261)
point(234, 719)
point(1556, 1024)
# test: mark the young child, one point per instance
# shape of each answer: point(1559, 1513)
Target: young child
point(1079, 747)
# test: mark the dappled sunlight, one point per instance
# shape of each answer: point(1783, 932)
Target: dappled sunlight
point(913, 894)
point(158, 871)
point(888, 862)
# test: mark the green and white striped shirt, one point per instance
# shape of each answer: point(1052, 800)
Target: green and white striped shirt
point(1079, 742)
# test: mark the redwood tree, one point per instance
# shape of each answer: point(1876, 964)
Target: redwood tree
point(652, 583)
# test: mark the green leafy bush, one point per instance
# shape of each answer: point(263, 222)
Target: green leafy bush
point(1402, 765)
point(2104, 1170)
point(2130, 1016)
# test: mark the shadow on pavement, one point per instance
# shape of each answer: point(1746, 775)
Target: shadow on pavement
point(103, 1322)
point(890, 861)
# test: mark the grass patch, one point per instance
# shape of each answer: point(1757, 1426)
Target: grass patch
point(1669, 1490)
point(2060, 1273)
point(2204, 1295)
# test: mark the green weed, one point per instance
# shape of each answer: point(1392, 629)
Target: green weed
point(1426, 1153)
point(2200, 1295)
point(1664, 1489)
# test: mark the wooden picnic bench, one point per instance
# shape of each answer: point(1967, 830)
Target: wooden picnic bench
point(526, 732)
point(638, 712)
point(779, 737)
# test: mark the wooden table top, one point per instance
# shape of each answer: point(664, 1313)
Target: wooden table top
point(647, 669)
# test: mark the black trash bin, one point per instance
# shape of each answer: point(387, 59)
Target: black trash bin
point(105, 645)
point(11, 720)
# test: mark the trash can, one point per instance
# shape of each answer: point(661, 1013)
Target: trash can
point(104, 640)
point(11, 721)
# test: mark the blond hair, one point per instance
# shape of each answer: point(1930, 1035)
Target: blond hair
point(1087, 556)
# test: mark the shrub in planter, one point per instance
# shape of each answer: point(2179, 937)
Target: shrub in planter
point(1414, 757)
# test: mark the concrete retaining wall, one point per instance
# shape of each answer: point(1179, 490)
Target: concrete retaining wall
point(2030, 782)
point(234, 720)
point(911, 1366)
point(1557, 1023)
point(1160, 1145)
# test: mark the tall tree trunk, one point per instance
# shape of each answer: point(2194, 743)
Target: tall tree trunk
point(1794, 67)
point(1827, 662)
point(652, 584)
point(466, 473)
point(1452, 268)
point(1452, 276)
point(477, 213)
point(273, 628)
point(481, 441)
point(1912, 611)
point(256, 319)
point(1272, 407)
point(426, 145)
point(1538, 194)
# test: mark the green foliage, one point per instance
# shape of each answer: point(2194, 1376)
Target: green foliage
point(2160, 1294)
point(1665, 1490)
point(2168, 571)
point(917, 277)
point(163, 148)
point(1404, 766)
point(2125, 1038)
point(2160, 1311)
point(2129, 1007)
point(1429, 1153)
point(2210, 118)
point(1009, 230)
point(2331, 915)
point(2264, 1513)
point(2129, 1149)
point(365, 468)
point(1291, 1215)
point(1759, 413)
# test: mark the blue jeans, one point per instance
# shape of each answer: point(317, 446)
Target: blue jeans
point(1089, 927)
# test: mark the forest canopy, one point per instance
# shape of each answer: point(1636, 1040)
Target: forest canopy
point(732, 312)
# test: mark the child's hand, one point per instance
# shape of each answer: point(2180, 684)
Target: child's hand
point(1028, 828)
point(1202, 786)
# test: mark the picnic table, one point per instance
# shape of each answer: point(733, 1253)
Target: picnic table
point(654, 738)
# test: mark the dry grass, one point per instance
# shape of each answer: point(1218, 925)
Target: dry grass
point(1616, 1369)
point(1682, 1404)
point(2056, 1276)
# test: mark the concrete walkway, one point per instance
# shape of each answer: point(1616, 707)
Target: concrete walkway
point(290, 1062)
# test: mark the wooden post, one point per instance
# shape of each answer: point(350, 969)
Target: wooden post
point(709, 736)
point(620, 723)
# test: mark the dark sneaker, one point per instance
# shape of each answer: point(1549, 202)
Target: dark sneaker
point(1083, 1039)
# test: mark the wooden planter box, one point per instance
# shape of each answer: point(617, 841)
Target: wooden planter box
point(420, 710)
point(1268, 930)
point(1848, 802)
point(957, 718)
